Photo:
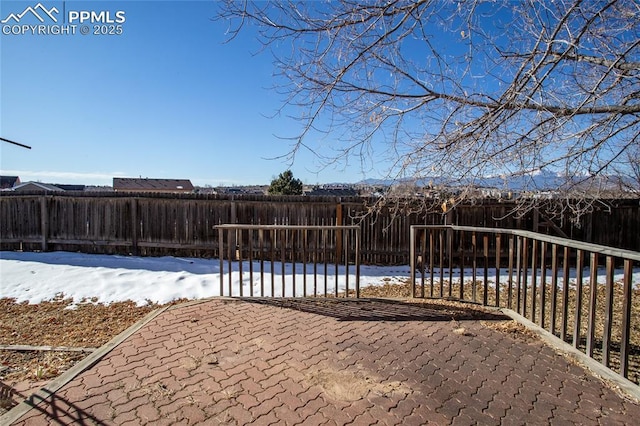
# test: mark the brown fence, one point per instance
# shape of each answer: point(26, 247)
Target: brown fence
point(183, 225)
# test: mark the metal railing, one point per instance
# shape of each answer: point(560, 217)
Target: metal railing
point(311, 260)
point(582, 293)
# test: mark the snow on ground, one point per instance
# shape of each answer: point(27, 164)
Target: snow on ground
point(35, 277)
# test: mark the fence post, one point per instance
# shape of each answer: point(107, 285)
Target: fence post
point(44, 222)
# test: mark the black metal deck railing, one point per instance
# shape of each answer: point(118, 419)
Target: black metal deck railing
point(321, 257)
point(583, 293)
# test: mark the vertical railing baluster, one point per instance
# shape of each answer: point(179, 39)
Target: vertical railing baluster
point(431, 260)
point(272, 248)
point(498, 255)
point(336, 263)
point(534, 279)
point(510, 278)
point(441, 260)
point(461, 294)
point(565, 295)
point(358, 263)
point(554, 288)
point(475, 266)
point(578, 309)
point(518, 274)
point(283, 259)
point(326, 262)
point(221, 260)
point(239, 258)
point(525, 275)
point(261, 244)
point(294, 252)
point(593, 298)
point(250, 232)
point(412, 260)
point(346, 262)
point(304, 262)
point(450, 253)
point(230, 259)
point(423, 262)
point(608, 315)
point(485, 266)
point(315, 262)
point(543, 282)
point(626, 318)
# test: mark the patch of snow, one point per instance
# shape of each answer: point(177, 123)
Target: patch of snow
point(36, 277)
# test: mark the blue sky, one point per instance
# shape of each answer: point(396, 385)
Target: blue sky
point(165, 99)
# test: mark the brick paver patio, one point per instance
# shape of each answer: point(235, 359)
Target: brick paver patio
point(318, 362)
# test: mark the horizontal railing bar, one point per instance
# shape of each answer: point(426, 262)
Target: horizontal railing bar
point(590, 247)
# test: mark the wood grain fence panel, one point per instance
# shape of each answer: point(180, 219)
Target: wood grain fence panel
point(20, 218)
point(167, 224)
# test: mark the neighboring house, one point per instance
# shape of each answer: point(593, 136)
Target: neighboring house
point(243, 190)
point(340, 191)
point(8, 182)
point(152, 185)
point(234, 191)
point(37, 186)
point(72, 187)
point(101, 188)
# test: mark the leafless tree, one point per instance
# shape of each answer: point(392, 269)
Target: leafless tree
point(629, 183)
point(456, 91)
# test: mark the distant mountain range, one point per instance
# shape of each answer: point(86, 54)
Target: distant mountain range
point(540, 181)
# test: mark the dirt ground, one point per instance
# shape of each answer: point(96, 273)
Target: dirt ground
point(57, 323)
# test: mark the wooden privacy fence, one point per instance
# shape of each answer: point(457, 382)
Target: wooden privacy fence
point(317, 253)
point(184, 224)
point(583, 293)
point(149, 224)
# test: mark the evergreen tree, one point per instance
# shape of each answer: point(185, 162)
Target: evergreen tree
point(285, 184)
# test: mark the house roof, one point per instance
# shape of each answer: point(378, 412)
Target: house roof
point(71, 187)
point(8, 181)
point(146, 184)
point(26, 186)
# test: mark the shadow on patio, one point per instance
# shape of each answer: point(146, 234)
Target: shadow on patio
point(382, 309)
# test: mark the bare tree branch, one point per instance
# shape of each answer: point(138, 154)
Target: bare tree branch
point(454, 92)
